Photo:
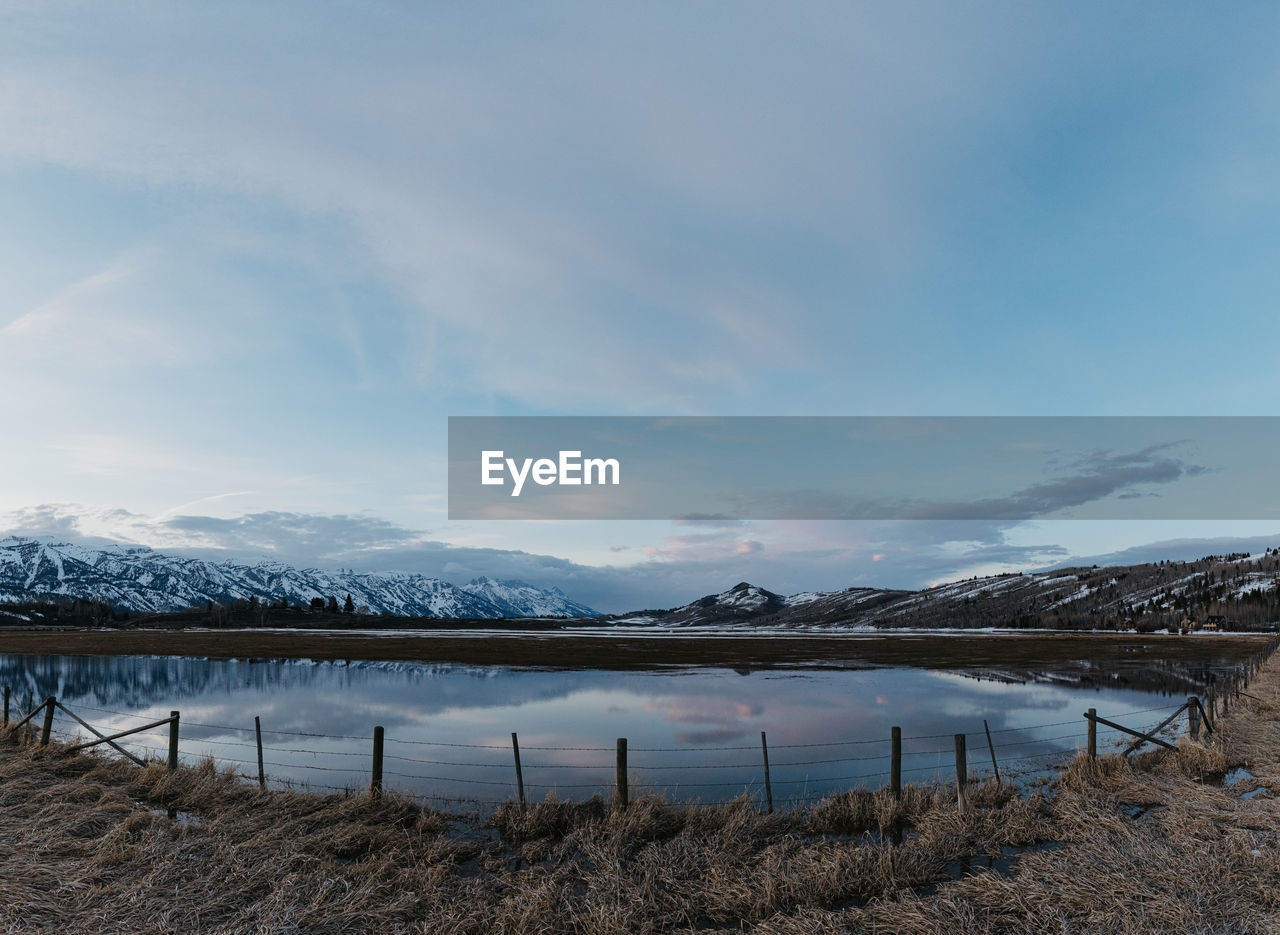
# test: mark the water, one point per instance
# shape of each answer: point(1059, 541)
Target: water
point(693, 733)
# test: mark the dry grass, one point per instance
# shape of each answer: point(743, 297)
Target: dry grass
point(86, 845)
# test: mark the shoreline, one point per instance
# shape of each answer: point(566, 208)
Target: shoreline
point(629, 651)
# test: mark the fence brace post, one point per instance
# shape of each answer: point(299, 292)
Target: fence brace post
point(990, 746)
point(1093, 733)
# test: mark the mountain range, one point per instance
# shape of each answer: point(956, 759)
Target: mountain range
point(137, 578)
point(1241, 591)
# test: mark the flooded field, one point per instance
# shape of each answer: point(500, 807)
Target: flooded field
point(693, 731)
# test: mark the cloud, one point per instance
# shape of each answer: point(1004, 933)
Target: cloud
point(77, 523)
point(511, 193)
point(1097, 476)
point(1100, 474)
point(291, 535)
point(703, 546)
point(42, 322)
point(57, 520)
point(1182, 549)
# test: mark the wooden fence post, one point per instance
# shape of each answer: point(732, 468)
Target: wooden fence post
point(173, 740)
point(6, 706)
point(1211, 710)
point(990, 746)
point(257, 729)
point(515, 748)
point(895, 762)
point(768, 783)
point(620, 793)
point(48, 721)
point(1193, 717)
point(375, 783)
point(962, 774)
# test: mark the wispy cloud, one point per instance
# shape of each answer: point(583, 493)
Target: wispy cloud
point(80, 296)
point(561, 174)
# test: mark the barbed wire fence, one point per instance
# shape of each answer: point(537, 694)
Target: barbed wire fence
point(433, 771)
point(802, 772)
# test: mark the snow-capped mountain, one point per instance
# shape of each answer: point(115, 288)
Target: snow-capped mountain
point(741, 603)
point(517, 599)
point(1233, 591)
point(141, 579)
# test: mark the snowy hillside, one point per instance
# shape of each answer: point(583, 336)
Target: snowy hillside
point(517, 599)
point(141, 579)
point(1233, 591)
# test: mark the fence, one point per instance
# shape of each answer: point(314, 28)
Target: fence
point(803, 771)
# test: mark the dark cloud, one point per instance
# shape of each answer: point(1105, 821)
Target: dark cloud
point(1099, 475)
point(1096, 477)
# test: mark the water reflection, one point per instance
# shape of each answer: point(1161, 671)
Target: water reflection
point(693, 732)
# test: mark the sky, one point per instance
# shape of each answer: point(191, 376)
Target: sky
point(255, 255)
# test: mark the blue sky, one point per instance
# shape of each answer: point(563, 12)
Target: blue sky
point(255, 256)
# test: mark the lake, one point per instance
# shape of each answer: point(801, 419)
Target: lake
point(693, 732)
